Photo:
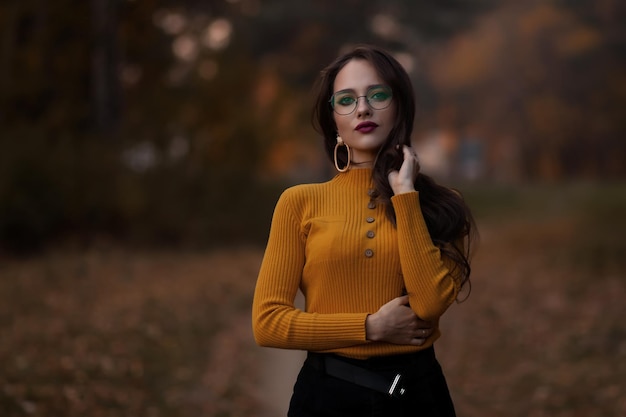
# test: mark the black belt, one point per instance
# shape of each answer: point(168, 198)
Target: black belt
point(355, 374)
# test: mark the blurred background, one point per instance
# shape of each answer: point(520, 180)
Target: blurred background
point(144, 143)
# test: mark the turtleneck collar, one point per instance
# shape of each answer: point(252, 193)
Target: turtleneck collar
point(361, 177)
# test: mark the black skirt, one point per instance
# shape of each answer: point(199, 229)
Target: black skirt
point(425, 391)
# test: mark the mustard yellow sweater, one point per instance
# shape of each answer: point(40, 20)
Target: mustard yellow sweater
point(331, 242)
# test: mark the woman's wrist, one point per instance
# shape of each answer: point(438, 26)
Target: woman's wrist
point(404, 190)
point(370, 328)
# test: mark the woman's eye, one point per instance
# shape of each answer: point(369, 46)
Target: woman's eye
point(379, 96)
point(345, 101)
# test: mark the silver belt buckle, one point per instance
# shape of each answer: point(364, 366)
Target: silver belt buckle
point(394, 388)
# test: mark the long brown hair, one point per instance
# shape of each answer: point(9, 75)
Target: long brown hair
point(447, 216)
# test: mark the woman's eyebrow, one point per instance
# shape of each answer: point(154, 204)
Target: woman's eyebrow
point(347, 90)
point(351, 90)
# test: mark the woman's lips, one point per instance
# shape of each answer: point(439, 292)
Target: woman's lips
point(366, 127)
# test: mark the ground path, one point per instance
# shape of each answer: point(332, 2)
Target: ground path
point(279, 370)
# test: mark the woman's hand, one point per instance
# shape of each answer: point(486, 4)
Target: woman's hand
point(403, 181)
point(396, 323)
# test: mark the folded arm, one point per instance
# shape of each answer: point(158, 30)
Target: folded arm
point(275, 320)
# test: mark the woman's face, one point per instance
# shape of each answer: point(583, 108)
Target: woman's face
point(365, 129)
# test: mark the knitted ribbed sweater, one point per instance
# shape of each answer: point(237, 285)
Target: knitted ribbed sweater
point(338, 247)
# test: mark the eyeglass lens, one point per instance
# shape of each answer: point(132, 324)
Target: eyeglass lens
point(345, 102)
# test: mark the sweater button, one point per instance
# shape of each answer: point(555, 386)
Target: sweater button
point(370, 234)
point(371, 192)
point(369, 253)
point(370, 220)
point(371, 205)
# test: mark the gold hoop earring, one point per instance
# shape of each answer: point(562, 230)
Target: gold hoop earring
point(340, 142)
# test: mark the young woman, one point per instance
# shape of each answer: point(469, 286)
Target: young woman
point(379, 252)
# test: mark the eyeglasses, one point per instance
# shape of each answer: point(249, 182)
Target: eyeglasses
point(345, 102)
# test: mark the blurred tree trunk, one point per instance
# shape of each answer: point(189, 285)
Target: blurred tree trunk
point(7, 50)
point(105, 89)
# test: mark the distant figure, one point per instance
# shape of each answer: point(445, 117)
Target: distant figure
point(379, 252)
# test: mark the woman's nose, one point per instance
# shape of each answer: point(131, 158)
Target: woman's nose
point(362, 107)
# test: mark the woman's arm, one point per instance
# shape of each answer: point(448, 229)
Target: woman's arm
point(275, 320)
point(428, 275)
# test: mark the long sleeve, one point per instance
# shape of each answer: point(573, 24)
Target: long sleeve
point(428, 276)
point(276, 322)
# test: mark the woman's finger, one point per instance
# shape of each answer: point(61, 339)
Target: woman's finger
point(417, 341)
